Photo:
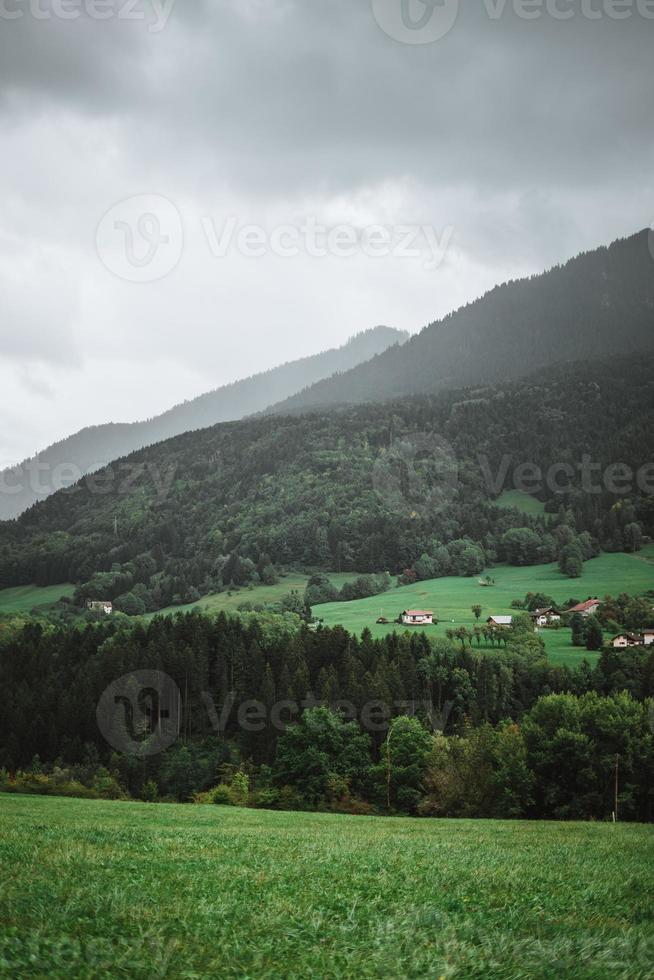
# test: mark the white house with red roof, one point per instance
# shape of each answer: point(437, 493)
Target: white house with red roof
point(585, 609)
point(417, 617)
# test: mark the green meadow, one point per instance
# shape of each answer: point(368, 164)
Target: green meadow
point(26, 598)
point(168, 891)
point(229, 602)
point(518, 500)
point(452, 598)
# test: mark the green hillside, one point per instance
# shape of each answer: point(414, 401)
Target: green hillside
point(600, 301)
point(229, 602)
point(370, 488)
point(452, 598)
point(138, 890)
point(25, 598)
point(519, 500)
point(99, 444)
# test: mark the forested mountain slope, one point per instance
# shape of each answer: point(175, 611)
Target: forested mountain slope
point(96, 446)
point(368, 488)
point(601, 302)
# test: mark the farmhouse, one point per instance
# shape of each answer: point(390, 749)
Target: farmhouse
point(623, 640)
point(644, 639)
point(417, 617)
point(586, 609)
point(503, 621)
point(543, 617)
point(103, 606)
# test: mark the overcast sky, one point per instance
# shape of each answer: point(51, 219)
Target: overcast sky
point(517, 143)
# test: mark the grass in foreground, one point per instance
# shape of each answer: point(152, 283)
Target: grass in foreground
point(141, 890)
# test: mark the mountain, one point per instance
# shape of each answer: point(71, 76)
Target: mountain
point(601, 302)
point(374, 487)
point(62, 464)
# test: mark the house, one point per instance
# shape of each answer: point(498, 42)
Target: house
point(417, 617)
point(103, 606)
point(503, 621)
point(648, 638)
point(585, 609)
point(623, 640)
point(543, 617)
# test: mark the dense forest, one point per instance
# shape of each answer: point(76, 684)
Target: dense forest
point(276, 715)
point(374, 488)
point(599, 303)
point(61, 464)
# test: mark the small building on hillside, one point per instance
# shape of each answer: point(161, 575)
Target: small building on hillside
point(543, 617)
point(623, 640)
point(648, 638)
point(102, 606)
point(417, 617)
point(505, 622)
point(585, 609)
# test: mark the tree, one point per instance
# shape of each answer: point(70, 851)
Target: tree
point(571, 561)
point(322, 745)
point(594, 634)
point(477, 611)
point(578, 627)
point(400, 774)
point(521, 546)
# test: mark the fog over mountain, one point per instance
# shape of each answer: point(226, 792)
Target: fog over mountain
point(62, 464)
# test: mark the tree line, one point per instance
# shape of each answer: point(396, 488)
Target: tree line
point(326, 719)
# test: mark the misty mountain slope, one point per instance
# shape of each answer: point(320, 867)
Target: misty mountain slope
point(601, 302)
point(62, 463)
point(234, 502)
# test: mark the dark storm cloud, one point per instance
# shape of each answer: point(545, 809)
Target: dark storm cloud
point(530, 139)
point(281, 95)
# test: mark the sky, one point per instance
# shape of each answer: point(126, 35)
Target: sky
point(192, 192)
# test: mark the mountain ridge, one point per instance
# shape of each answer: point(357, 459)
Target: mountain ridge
point(93, 447)
point(599, 302)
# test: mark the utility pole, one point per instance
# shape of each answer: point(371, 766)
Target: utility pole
point(615, 788)
point(389, 766)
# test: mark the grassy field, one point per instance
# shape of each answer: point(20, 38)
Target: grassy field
point(28, 597)
point(523, 502)
point(223, 602)
point(452, 598)
point(141, 890)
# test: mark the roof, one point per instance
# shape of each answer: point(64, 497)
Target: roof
point(544, 612)
point(584, 606)
point(628, 636)
point(417, 612)
point(502, 620)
